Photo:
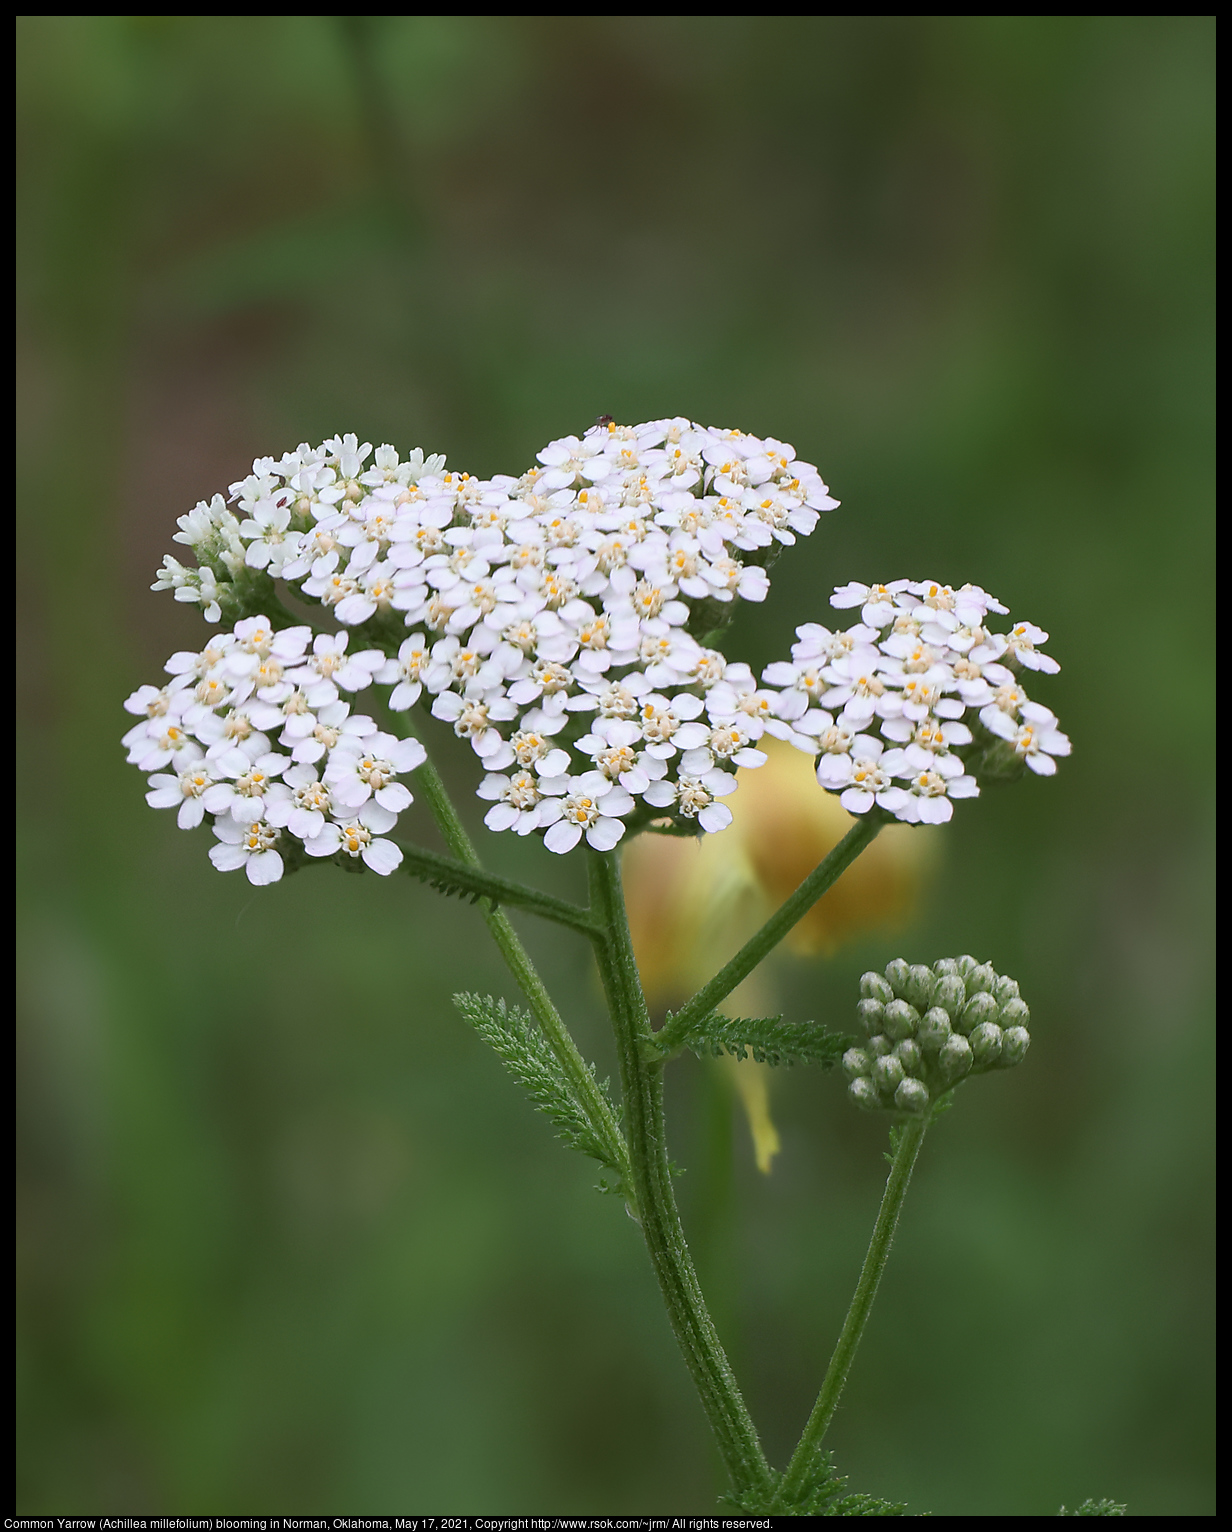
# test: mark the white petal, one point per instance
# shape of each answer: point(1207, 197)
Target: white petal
point(563, 836)
point(264, 867)
point(604, 834)
point(382, 856)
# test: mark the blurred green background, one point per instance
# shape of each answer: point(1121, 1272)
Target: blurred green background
point(288, 1238)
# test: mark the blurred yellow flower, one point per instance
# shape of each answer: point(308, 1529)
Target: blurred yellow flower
point(693, 903)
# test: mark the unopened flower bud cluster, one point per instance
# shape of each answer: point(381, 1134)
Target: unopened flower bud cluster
point(926, 1028)
point(252, 731)
point(943, 692)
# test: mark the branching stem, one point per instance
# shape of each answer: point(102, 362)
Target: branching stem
point(487, 885)
point(582, 1082)
point(676, 1030)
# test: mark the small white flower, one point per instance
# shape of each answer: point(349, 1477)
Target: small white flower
point(250, 845)
point(359, 837)
point(517, 801)
point(357, 771)
point(588, 805)
point(250, 776)
point(1036, 739)
point(1021, 644)
point(184, 792)
point(306, 808)
point(694, 798)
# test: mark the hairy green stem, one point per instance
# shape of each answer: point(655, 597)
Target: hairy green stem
point(454, 876)
point(676, 1030)
point(582, 1082)
point(804, 1457)
point(642, 1086)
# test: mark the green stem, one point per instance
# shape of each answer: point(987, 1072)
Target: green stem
point(581, 1080)
point(676, 1030)
point(642, 1085)
point(796, 1477)
point(457, 876)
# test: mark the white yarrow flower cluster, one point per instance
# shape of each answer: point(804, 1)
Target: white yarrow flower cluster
point(557, 616)
point(557, 621)
point(909, 708)
point(252, 731)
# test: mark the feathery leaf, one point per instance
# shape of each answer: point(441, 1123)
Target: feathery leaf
point(769, 1039)
point(529, 1059)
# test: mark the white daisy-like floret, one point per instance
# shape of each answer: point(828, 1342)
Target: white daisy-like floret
point(248, 776)
point(184, 792)
point(694, 798)
point(929, 791)
point(161, 742)
point(877, 602)
point(516, 799)
point(329, 661)
point(311, 736)
point(252, 845)
point(359, 770)
point(358, 836)
point(306, 808)
point(1020, 648)
point(1035, 736)
point(589, 805)
point(475, 719)
point(405, 673)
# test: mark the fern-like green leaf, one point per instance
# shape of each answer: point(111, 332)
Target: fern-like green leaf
point(768, 1039)
point(529, 1059)
point(1095, 1508)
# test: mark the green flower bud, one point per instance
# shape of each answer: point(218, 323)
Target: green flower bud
point(919, 986)
point(981, 1007)
point(901, 1019)
point(1014, 1047)
point(908, 1055)
point(950, 993)
point(912, 1096)
point(985, 1041)
point(888, 1074)
point(929, 1027)
point(1014, 1013)
point(955, 1058)
point(982, 977)
point(856, 1063)
point(864, 1093)
point(934, 1030)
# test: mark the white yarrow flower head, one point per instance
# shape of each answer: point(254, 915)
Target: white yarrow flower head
point(918, 703)
point(260, 746)
point(556, 622)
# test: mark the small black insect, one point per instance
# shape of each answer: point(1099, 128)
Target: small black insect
point(604, 420)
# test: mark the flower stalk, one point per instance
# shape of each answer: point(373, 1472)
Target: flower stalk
point(910, 1137)
point(642, 1088)
point(518, 961)
point(676, 1030)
